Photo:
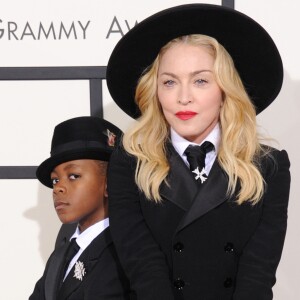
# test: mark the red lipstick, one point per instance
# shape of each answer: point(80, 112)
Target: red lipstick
point(185, 115)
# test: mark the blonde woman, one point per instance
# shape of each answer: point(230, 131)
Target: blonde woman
point(198, 205)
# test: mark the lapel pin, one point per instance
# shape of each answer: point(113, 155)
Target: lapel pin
point(200, 175)
point(79, 270)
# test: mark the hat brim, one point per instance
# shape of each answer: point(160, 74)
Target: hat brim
point(254, 53)
point(43, 172)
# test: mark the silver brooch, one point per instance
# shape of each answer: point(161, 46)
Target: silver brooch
point(200, 175)
point(79, 270)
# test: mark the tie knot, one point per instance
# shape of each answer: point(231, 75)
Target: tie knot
point(196, 158)
point(73, 248)
point(199, 151)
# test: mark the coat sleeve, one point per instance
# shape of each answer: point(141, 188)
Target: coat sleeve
point(38, 292)
point(143, 261)
point(261, 256)
point(41, 288)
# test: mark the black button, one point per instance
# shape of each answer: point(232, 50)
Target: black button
point(228, 282)
point(178, 247)
point(179, 284)
point(228, 247)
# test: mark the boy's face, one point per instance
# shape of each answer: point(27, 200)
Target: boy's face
point(79, 192)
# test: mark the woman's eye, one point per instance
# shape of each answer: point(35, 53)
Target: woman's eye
point(54, 181)
point(200, 81)
point(74, 176)
point(169, 83)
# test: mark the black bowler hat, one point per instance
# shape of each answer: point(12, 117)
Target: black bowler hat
point(79, 138)
point(253, 51)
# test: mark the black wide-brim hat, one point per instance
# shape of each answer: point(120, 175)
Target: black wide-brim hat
point(254, 53)
point(79, 138)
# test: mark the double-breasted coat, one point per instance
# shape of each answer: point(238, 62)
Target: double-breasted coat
point(198, 244)
point(104, 278)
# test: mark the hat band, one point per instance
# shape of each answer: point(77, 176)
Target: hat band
point(75, 145)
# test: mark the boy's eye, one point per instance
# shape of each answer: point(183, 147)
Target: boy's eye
point(74, 176)
point(54, 181)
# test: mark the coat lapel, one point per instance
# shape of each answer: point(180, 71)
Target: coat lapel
point(184, 191)
point(182, 187)
point(52, 275)
point(88, 258)
point(209, 196)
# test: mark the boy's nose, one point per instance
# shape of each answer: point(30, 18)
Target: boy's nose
point(59, 188)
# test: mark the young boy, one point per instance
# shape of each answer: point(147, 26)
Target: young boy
point(76, 171)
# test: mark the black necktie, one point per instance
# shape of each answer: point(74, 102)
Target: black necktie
point(72, 249)
point(196, 158)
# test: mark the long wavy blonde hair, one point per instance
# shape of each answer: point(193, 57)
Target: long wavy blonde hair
point(239, 145)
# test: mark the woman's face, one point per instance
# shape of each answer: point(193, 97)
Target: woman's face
point(187, 91)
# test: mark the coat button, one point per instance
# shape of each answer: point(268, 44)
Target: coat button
point(178, 247)
point(229, 248)
point(228, 282)
point(179, 284)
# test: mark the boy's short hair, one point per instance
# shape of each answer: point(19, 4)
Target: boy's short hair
point(79, 138)
point(102, 167)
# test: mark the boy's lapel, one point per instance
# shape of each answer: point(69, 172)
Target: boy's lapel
point(85, 264)
point(52, 275)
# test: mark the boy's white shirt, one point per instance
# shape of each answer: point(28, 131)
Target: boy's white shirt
point(85, 238)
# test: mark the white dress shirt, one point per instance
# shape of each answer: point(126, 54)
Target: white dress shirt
point(85, 238)
point(180, 144)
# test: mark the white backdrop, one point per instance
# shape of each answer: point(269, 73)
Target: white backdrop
point(83, 33)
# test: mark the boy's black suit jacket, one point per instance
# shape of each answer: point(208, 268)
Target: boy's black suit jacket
point(198, 244)
point(104, 278)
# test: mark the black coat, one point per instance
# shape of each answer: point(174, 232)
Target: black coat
point(198, 244)
point(104, 279)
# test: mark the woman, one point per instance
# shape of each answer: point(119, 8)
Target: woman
point(200, 74)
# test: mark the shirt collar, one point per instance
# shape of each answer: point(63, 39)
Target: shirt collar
point(180, 143)
point(87, 236)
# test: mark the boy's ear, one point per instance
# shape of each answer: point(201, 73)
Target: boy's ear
point(105, 191)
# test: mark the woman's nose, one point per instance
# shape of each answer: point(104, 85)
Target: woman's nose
point(184, 96)
point(184, 101)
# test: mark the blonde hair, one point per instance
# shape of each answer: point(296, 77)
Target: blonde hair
point(239, 145)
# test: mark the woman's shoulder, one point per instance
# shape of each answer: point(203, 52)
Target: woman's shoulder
point(271, 160)
point(121, 156)
point(271, 153)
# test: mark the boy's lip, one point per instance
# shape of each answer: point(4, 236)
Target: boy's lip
point(185, 115)
point(59, 204)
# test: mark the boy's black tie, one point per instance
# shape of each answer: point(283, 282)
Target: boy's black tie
point(196, 158)
point(72, 249)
